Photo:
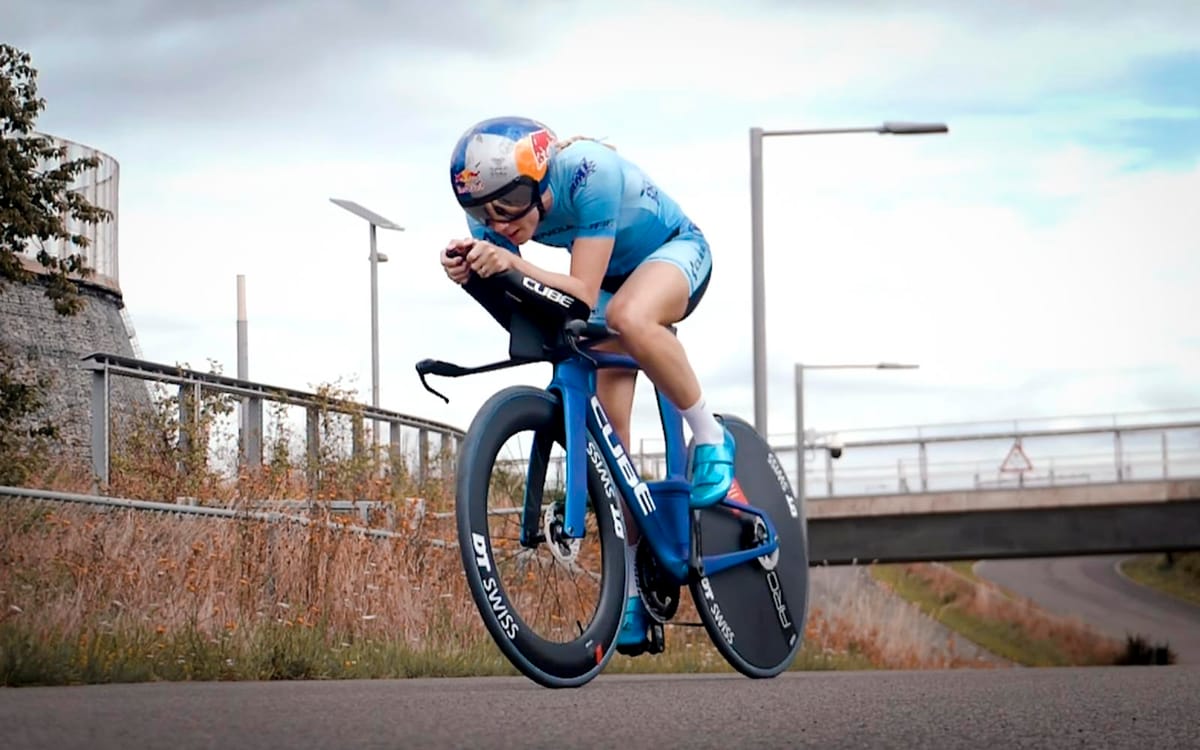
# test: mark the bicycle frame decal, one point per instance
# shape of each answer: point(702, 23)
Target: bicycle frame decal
point(641, 491)
point(610, 489)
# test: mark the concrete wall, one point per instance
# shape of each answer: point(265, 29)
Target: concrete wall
point(43, 342)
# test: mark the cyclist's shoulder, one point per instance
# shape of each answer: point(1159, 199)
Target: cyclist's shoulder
point(575, 150)
point(586, 168)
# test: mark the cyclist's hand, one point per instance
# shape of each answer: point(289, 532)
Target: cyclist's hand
point(487, 259)
point(454, 260)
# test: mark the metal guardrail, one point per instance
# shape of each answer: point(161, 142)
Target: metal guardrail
point(1064, 468)
point(192, 384)
point(269, 516)
point(1115, 450)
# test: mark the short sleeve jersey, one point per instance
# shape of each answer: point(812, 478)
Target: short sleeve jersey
point(599, 193)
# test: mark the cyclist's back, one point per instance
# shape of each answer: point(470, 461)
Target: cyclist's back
point(599, 193)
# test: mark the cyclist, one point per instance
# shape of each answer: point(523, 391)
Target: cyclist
point(636, 260)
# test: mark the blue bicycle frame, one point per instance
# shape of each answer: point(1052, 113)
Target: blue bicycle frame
point(660, 507)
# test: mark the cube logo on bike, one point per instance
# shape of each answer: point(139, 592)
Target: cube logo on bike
point(550, 293)
point(542, 534)
point(642, 492)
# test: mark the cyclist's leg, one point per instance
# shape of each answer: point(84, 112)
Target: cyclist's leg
point(615, 388)
point(661, 291)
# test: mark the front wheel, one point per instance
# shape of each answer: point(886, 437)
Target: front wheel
point(553, 604)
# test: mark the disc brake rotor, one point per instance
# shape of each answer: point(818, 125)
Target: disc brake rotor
point(563, 548)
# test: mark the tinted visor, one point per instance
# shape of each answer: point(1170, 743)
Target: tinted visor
point(508, 204)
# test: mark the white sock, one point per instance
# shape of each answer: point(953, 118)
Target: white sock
point(705, 427)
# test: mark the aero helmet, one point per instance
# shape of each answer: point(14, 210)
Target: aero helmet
point(504, 162)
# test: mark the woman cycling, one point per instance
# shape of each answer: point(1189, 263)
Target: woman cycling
point(636, 260)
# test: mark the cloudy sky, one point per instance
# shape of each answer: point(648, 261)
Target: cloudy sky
point(1041, 259)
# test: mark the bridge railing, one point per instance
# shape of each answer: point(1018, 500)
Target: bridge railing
point(1031, 457)
point(975, 456)
point(193, 384)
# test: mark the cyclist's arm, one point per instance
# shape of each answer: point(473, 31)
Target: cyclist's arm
point(596, 190)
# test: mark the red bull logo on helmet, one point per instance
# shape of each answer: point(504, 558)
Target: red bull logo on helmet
point(467, 181)
point(540, 141)
point(532, 153)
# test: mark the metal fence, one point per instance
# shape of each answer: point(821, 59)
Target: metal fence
point(268, 516)
point(1056, 451)
point(192, 385)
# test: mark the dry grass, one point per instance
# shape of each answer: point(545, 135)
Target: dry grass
point(147, 582)
point(852, 613)
point(96, 595)
point(1013, 627)
point(89, 595)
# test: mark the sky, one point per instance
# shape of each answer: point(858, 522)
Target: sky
point(1040, 259)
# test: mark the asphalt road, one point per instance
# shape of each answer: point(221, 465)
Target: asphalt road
point(1092, 589)
point(1111, 707)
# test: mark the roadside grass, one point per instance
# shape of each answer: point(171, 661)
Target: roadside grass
point(94, 595)
point(965, 568)
point(1177, 575)
point(1009, 626)
point(98, 596)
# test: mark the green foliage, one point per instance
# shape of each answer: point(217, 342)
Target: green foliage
point(35, 201)
point(35, 194)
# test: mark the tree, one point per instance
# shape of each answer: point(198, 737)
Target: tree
point(35, 196)
point(35, 193)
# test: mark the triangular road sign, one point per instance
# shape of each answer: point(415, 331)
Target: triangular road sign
point(1016, 460)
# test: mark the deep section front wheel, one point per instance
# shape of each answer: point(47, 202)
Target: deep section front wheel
point(551, 603)
point(755, 612)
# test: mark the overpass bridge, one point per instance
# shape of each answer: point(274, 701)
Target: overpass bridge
point(1061, 486)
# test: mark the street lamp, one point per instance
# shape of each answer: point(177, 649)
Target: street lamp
point(801, 492)
point(375, 220)
point(756, 239)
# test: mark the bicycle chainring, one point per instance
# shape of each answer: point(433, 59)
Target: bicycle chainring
point(659, 593)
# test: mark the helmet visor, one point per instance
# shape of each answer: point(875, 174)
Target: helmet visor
point(508, 204)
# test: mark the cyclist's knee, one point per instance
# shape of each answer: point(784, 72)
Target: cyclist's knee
point(633, 318)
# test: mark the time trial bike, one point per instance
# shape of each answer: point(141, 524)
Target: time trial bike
point(545, 491)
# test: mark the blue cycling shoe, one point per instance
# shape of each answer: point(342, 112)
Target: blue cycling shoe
point(632, 638)
point(712, 471)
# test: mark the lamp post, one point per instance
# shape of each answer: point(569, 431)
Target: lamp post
point(801, 492)
point(375, 220)
point(756, 239)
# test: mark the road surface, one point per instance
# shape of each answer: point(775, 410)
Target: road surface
point(1092, 589)
point(1110, 707)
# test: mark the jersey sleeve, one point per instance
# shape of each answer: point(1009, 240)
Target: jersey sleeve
point(596, 187)
point(480, 232)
